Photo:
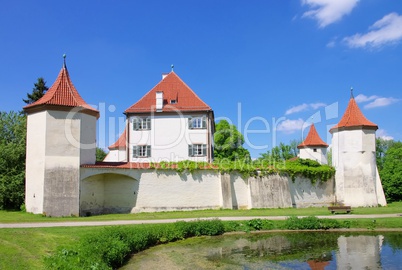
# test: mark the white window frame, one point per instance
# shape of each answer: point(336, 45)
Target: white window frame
point(142, 123)
point(197, 122)
point(141, 151)
point(197, 150)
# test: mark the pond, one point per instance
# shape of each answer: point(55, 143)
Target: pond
point(298, 250)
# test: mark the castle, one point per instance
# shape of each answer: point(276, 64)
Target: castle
point(171, 123)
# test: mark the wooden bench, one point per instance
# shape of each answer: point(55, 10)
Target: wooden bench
point(340, 208)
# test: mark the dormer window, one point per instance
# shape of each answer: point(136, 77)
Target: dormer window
point(173, 101)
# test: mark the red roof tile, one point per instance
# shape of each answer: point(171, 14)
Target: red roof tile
point(312, 139)
point(120, 143)
point(62, 93)
point(173, 88)
point(353, 118)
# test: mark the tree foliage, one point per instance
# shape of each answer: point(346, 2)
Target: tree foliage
point(229, 143)
point(281, 152)
point(100, 154)
point(12, 160)
point(37, 92)
point(391, 173)
point(382, 146)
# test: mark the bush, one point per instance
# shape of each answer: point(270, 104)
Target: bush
point(109, 248)
point(311, 223)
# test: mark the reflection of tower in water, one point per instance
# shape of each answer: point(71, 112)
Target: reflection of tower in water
point(359, 252)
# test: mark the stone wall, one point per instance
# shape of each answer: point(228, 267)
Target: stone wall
point(106, 190)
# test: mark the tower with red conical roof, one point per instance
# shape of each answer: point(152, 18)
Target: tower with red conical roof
point(354, 158)
point(313, 147)
point(61, 135)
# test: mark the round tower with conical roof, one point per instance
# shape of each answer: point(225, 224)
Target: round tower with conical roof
point(313, 147)
point(357, 182)
point(61, 136)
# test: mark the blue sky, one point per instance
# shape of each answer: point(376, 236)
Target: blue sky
point(267, 66)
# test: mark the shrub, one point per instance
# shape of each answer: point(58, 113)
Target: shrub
point(311, 223)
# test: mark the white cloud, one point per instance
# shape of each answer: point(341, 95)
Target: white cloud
point(304, 107)
point(380, 102)
point(327, 12)
point(290, 126)
point(388, 30)
point(362, 98)
point(381, 133)
point(296, 109)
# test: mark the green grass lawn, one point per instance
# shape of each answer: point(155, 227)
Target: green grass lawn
point(16, 217)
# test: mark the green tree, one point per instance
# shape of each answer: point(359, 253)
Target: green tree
point(381, 147)
point(391, 173)
point(229, 143)
point(100, 154)
point(12, 160)
point(281, 152)
point(37, 92)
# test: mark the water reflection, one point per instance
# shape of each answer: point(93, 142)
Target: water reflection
point(318, 250)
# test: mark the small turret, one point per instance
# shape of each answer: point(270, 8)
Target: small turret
point(313, 147)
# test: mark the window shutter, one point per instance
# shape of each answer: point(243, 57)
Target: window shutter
point(148, 150)
point(190, 150)
point(190, 123)
point(148, 123)
point(204, 149)
point(135, 151)
point(135, 124)
point(204, 122)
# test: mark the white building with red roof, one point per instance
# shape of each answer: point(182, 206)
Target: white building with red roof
point(169, 123)
point(354, 159)
point(61, 136)
point(313, 147)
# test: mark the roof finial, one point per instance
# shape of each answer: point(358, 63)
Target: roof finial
point(351, 92)
point(64, 63)
point(172, 66)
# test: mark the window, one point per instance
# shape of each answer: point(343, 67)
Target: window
point(142, 123)
point(315, 150)
point(197, 123)
point(173, 101)
point(197, 150)
point(141, 151)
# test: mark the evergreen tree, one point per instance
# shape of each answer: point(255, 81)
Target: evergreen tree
point(229, 143)
point(100, 154)
point(37, 92)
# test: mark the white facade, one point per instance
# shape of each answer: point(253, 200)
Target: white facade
point(318, 154)
point(58, 142)
point(354, 158)
point(167, 137)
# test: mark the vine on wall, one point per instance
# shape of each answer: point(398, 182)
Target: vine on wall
point(306, 168)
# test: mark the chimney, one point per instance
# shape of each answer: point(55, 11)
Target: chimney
point(159, 101)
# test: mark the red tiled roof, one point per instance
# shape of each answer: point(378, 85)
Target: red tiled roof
point(312, 139)
point(63, 93)
point(173, 88)
point(120, 143)
point(353, 118)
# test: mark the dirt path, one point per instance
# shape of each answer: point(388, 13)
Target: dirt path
point(156, 221)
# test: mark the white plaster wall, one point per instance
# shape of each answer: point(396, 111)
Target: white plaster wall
point(241, 192)
point(92, 195)
point(354, 161)
point(169, 138)
point(35, 162)
point(320, 155)
point(306, 194)
point(88, 139)
point(116, 155)
point(168, 190)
